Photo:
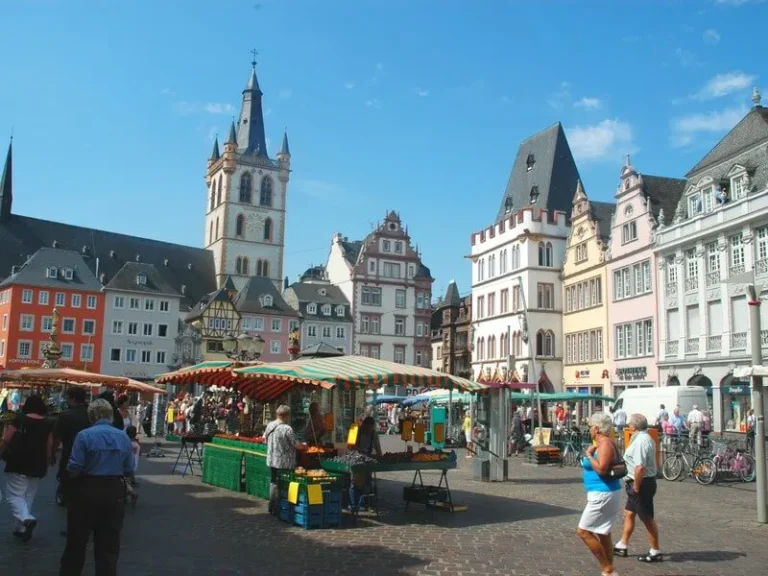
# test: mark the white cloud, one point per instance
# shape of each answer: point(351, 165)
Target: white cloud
point(167, 91)
point(186, 108)
point(373, 103)
point(349, 84)
point(711, 36)
point(687, 58)
point(329, 192)
point(561, 97)
point(421, 92)
point(219, 108)
point(686, 128)
point(725, 84)
point(505, 99)
point(377, 73)
point(588, 103)
point(285, 94)
point(379, 66)
point(605, 140)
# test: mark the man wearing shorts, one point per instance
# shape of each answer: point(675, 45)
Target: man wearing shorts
point(640, 458)
point(466, 427)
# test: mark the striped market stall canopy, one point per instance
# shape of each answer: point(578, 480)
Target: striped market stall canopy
point(211, 373)
point(348, 371)
point(54, 376)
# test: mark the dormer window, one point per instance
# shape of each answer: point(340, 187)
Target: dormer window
point(530, 162)
point(508, 205)
point(739, 186)
point(52, 272)
point(141, 279)
point(267, 301)
point(311, 308)
point(322, 291)
point(67, 273)
point(534, 194)
point(340, 311)
point(327, 309)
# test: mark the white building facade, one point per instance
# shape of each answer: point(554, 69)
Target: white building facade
point(390, 291)
point(719, 231)
point(141, 323)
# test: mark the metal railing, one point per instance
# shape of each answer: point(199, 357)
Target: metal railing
point(692, 345)
point(672, 347)
point(691, 284)
point(715, 344)
point(739, 341)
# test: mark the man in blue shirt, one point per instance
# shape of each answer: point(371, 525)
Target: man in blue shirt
point(677, 420)
point(101, 457)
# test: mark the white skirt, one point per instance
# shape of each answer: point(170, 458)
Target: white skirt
point(601, 510)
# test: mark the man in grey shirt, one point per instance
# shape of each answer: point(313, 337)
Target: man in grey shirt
point(640, 458)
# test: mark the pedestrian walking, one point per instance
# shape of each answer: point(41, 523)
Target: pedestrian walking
point(661, 416)
point(68, 424)
point(25, 448)
point(146, 421)
point(101, 458)
point(640, 458)
point(603, 492)
point(695, 423)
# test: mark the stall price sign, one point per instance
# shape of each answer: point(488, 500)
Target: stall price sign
point(415, 390)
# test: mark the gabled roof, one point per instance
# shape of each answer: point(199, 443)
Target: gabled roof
point(749, 132)
point(250, 300)
point(321, 350)
point(663, 194)
point(310, 292)
point(220, 295)
point(552, 174)
point(351, 250)
point(127, 279)
point(107, 252)
point(34, 272)
point(602, 213)
point(452, 296)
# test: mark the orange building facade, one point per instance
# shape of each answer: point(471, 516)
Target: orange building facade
point(27, 302)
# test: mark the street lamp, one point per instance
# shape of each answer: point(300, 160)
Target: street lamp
point(243, 348)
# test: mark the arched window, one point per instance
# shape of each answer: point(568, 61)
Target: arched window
point(240, 225)
point(258, 268)
point(238, 265)
point(540, 343)
point(491, 347)
point(266, 191)
point(265, 268)
point(549, 344)
point(549, 255)
point(245, 188)
point(210, 233)
point(218, 193)
point(268, 229)
point(542, 254)
point(213, 196)
point(245, 267)
point(217, 228)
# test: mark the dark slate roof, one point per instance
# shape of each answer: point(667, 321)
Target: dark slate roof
point(251, 138)
point(6, 186)
point(663, 194)
point(750, 131)
point(436, 321)
point(249, 300)
point(602, 213)
point(423, 273)
point(33, 272)
point(222, 294)
point(215, 152)
point(554, 173)
point(284, 148)
point(452, 297)
point(22, 236)
point(127, 279)
point(306, 292)
point(352, 250)
point(313, 273)
point(321, 350)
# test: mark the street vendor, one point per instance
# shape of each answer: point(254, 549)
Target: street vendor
point(281, 452)
point(315, 427)
point(367, 443)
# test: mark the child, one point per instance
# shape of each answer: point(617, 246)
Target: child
point(136, 448)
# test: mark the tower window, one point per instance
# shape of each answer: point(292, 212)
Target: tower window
point(218, 193)
point(534, 194)
point(245, 188)
point(238, 265)
point(213, 196)
point(266, 191)
point(245, 266)
point(268, 229)
point(217, 229)
point(240, 225)
point(210, 234)
point(508, 205)
point(530, 162)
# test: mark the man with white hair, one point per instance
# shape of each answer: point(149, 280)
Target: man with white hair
point(640, 458)
point(695, 422)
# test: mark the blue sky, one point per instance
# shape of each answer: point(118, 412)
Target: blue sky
point(412, 106)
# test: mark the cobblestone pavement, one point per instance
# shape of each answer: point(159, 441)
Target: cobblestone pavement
point(522, 527)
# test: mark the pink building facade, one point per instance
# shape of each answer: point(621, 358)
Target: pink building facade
point(641, 203)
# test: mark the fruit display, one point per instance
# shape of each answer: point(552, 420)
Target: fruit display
point(421, 456)
point(252, 440)
point(318, 450)
point(317, 473)
point(429, 457)
point(353, 458)
point(395, 457)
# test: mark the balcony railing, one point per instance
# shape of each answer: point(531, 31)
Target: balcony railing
point(691, 284)
point(761, 267)
point(739, 341)
point(736, 270)
point(715, 344)
point(692, 345)
point(713, 278)
point(672, 347)
point(670, 289)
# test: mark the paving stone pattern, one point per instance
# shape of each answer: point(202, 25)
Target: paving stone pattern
point(523, 527)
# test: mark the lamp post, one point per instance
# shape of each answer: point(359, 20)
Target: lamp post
point(753, 293)
point(243, 348)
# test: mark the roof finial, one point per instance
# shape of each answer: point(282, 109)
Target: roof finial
point(253, 62)
point(756, 96)
point(628, 162)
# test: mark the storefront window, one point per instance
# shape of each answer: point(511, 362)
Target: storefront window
point(736, 402)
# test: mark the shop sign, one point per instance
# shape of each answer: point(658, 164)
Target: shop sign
point(139, 342)
point(632, 373)
point(415, 390)
point(25, 361)
point(582, 373)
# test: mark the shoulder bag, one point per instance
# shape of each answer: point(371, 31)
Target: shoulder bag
point(618, 469)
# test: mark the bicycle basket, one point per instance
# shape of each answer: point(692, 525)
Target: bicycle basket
point(719, 448)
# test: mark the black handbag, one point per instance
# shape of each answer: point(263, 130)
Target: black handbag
point(617, 470)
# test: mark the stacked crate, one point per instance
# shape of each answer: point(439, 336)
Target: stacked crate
point(311, 516)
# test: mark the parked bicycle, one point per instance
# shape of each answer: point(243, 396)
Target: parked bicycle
point(684, 462)
point(733, 461)
point(573, 449)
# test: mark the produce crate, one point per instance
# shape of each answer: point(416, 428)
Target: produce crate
point(222, 468)
point(428, 495)
point(240, 444)
point(257, 476)
point(543, 455)
point(315, 516)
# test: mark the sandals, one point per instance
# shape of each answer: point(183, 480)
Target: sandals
point(648, 558)
point(622, 552)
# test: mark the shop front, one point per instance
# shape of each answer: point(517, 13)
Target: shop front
point(628, 375)
point(590, 380)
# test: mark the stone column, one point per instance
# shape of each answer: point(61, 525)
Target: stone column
point(702, 293)
point(680, 266)
point(659, 283)
point(717, 407)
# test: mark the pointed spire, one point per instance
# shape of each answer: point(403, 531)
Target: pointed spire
point(627, 162)
point(251, 137)
point(580, 195)
point(6, 186)
point(232, 134)
point(284, 149)
point(215, 153)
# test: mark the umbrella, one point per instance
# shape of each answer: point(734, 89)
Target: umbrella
point(138, 386)
point(53, 376)
point(348, 371)
point(211, 373)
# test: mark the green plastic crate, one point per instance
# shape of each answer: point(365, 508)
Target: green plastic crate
point(257, 476)
point(222, 468)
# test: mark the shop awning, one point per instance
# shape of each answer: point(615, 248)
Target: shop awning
point(389, 399)
point(59, 376)
point(210, 373)
point(143, 387)
point(347, 371)
point(731, 384)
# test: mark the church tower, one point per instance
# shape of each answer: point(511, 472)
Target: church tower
point(246, 197)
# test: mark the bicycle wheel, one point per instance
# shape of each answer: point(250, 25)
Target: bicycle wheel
point(704, 471)
point(747, 469)
point(672, 467)
point(564, 456)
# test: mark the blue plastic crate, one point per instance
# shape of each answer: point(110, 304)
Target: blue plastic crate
point(306, 509)
point(332, 520)
point(332, 497)
point(308, 521)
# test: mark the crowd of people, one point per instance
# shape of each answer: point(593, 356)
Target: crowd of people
point(186, 413)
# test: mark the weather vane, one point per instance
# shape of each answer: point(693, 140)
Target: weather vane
point(253, 62)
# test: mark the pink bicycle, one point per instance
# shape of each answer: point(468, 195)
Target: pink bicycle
point(733, 461)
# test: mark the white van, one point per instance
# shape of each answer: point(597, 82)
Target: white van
point(648, 401)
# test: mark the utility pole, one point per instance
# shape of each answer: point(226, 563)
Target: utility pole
point(757, 400)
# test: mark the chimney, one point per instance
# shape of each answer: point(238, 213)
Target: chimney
point(15, 270)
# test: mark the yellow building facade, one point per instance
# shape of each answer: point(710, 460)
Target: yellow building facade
point(585, 299)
